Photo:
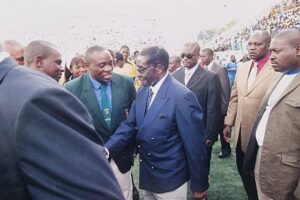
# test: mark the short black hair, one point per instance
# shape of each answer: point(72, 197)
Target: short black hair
point(91, 50)
point(119, 57)
point(156, 55)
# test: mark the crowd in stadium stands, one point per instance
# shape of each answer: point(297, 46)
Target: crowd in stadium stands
point(280, 17)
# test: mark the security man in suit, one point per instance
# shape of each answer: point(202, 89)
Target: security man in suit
point(207, 88)
point(207, 61)
point(167, 123)
point(251, 83)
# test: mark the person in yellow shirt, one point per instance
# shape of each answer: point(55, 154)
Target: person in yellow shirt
point(129, 68)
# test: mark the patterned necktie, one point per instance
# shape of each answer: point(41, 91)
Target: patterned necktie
point(105, 105)
point(149, 98)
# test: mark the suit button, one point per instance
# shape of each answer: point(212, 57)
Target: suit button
point(139, 146)
point(141, 160)
point(152, 167)
point(149, 154)
point(152, 138)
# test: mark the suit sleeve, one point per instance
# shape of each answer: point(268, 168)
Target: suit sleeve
point(59, 151)
point(232, 107)
point(189, 118)
point(225, 85)
point(124, 135)
point(213, 108)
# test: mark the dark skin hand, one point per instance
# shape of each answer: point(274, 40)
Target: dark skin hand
point(199, 195)
point(227, 133)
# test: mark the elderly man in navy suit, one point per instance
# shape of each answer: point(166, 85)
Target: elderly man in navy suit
point(166, 122)
point(49, 149)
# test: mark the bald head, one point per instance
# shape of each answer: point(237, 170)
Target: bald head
point(174, 63)
point(44, 56)
point(285, 50)
point(290, 36)
point(206, 56)
point(15, 49)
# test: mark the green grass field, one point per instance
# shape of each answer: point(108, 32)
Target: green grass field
point(225, 182)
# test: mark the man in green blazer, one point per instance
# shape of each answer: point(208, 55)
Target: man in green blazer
point(108, 97)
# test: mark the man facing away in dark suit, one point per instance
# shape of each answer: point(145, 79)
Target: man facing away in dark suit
point(206, 86)
point(166, 122)
point(108, 97)
point(49, 148)
point(273, 153)
point(207, 61)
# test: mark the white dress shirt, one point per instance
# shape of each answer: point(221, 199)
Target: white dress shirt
point(277, 92)
point(188, 73)
point(156, 88)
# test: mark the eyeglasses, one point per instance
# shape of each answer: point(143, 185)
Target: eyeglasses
point(188, 56)
point(142, 69)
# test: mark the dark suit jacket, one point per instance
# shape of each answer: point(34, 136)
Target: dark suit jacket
point(123, 94)
point(279, 170)
point(225, 85)
point(206, 86)
point(170, 139)
point(48, 147)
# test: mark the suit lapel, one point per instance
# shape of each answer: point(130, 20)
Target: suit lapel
point(245, 70)
point(262, 75)
point(197, 74)
point(291, 87)
point(141, 104)
point(91, 100)
point(115, 92)
point(181, 76)
point(159, 101)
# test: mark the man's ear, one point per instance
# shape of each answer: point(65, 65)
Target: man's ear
point(38, 60)
point(298, 50)
point(159, 68)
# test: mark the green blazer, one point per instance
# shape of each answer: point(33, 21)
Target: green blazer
point(123, 94)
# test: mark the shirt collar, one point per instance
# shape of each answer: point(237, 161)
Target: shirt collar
point(210, 65)
point(261, 63)
point(3, 55)
point(96, 84)
point(157, 86)
point(192, 70)
point(293, 71)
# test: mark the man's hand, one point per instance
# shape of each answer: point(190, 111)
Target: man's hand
point(199, 195)
point(106, 153)
point(208, 143)
point(227, 133)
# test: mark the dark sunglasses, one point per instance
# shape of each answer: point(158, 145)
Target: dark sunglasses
point(188, 56)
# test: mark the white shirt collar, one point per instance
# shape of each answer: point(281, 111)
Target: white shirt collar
point(156, 87)
point(3, 55)
point(188, 73)
point(191, 71)
point(210, 65)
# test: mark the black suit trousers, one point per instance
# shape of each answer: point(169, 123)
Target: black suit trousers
point(248, 180)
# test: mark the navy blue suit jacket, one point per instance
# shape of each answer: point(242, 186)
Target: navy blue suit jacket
point(170, 138)
point(49, 149)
